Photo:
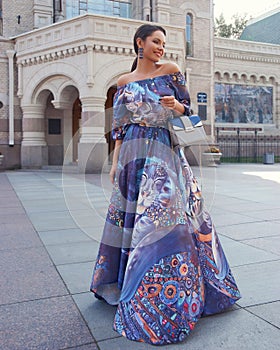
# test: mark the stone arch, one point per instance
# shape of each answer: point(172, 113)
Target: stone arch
point(262, 79)
point(116, 68)
point(253, 78)
point(235, 77)
point(272, 80)
point(45, 77)
point(218, 75)
point(243, 77)
point(226, 76)
point(42, 96)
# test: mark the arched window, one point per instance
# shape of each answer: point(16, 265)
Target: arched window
point(189, 34)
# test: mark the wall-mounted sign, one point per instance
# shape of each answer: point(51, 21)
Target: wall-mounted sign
point(201, 97)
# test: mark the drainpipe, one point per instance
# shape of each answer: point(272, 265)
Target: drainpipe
point(11, 54)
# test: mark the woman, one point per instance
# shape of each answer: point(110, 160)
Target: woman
point(160, 259)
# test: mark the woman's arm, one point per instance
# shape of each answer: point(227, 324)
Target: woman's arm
point(113, 170)
point(172, 103)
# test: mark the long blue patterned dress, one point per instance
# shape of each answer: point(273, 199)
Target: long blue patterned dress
point(160, 259)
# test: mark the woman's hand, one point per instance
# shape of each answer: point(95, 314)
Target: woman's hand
point(171, 103)
point(112, 173)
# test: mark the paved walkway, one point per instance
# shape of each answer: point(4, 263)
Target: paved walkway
point(50, 226)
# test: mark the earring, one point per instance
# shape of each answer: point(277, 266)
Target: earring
point(140, 52)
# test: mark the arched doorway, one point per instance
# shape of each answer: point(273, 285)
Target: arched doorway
point(108, 120)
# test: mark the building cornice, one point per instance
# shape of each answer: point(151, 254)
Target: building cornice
point(246, 50)
point(75, 36)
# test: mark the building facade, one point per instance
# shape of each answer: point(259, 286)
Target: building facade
point(60, 61)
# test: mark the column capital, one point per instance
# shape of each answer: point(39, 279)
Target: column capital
point(10, 53)
point(61, 104)
point(90, 103)
point(33, 111)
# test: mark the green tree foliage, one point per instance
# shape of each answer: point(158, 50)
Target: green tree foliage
point(232, 30)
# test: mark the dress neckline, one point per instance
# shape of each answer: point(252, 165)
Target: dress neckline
point(151, 79)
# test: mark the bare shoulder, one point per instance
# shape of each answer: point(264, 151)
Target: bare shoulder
point(170, 68)
point(124, 79)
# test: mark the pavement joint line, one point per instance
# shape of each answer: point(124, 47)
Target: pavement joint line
point(259, 304)
point(80, 346)
point(262, 249)
point(83, 318)
point(77, 262)
point(263, 319)
point(36, 299)
point(248, 239)
point(241, 223)
point(255, 263)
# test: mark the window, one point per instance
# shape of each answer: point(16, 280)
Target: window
point(120, 8)
point(189, 34)
point(250, 104)
point(54, 126)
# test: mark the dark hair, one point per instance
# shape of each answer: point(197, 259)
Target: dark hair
point(143, 32)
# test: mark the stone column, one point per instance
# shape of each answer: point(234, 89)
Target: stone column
point(67, 129)
point(11, 54)
point(34, 151)
point(92, 147)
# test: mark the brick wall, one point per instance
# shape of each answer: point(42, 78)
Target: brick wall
point(11, 10)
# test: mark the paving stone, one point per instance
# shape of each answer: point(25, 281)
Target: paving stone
point(18, 235)
point(77, 277)
point(258, 283)
point(228, 219)
point(256, 230)
point(28, 274)
point(239, 253)
point(43, 324)
point(269, 312)
point(52, 221)
point(11, 210)
point(98, 315)
point(63, 236)
point(228, 331)
point(269, 244)
point(73, 253)
point(91, 346)
point(266, 214)
point(18, 218)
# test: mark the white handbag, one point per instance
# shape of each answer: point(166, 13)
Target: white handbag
point(187, 131)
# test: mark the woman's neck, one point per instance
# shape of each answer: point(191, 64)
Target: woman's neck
point(146, 68)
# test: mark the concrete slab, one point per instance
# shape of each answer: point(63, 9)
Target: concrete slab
point(98, 315)
point(252, 230)
point(18, 236)
point(266, 214)
point(269, 244)
point(258, 283)
point(28, 274)
point(73, 253)
point(246, 254)
point(18, 219)
point(269, 312)
point(52, 221)
point(227, 219)
point(64, 236)
point(228, 331)
point(43, 324)
point(77, 277)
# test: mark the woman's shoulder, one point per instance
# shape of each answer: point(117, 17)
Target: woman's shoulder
point(169, 68)
point(124, 79)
